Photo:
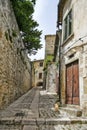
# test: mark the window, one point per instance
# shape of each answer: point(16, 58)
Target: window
point(40, 75)
point(41, 63)
point(68, 25)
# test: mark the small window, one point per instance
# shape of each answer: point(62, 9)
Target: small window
point(40, 75)
point(68, 25)
point(41, 63)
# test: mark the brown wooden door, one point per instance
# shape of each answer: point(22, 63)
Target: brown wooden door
point(72, 83)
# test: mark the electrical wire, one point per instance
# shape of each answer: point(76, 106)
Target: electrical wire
point(80, 39)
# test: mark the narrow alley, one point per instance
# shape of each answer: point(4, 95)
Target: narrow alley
point(43, 84)
point(35, 111)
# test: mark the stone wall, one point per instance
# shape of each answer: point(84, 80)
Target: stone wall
point(37, 69)
point(15, 68)
point(42, 124)
point(51, 78)
point(49, 46)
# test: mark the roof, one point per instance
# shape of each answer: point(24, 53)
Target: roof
point(38, 60)
point(50, 35)
point(60, 11)
point(56, 45)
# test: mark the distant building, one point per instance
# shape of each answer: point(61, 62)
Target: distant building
point(50, 68)
point(37, 73)
point(49, 44)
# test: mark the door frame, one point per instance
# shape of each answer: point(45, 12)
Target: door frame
point(72, 64)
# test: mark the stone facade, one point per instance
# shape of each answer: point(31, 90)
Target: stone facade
point(15, 68)
point(49, 46)
point(37, 73)
point(74, 47)
point(56, 60)
point(50, 67)
point(51, 78)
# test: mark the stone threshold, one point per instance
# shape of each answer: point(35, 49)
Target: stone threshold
point(42, 121)
point(71, 111)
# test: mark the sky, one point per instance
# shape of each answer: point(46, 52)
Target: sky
point(46, 16)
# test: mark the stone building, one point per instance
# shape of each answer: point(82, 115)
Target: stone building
point(50, 67)
point(15, 68)
point(56, 60)
point(73, 51)
point(37, 73)
point(49, 46)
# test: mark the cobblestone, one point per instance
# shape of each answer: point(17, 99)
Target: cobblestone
point(35, 111)
point(27, 127)
point(22, 105)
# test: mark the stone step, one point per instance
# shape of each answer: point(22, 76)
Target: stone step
point(70, 111)
point(43, 124)
point(41, 121)
point(49, 127)
point(27, 127)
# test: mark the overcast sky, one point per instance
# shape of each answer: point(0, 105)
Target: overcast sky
point(46, 15)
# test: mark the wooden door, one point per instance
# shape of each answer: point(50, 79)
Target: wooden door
point(72, 83)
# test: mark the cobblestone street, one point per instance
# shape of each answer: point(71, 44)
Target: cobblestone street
point(35, 111)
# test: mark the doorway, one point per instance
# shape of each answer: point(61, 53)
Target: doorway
point(72, 83)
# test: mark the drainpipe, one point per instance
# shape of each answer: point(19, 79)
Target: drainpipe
point(60, 36)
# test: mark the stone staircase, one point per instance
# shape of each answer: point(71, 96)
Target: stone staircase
point(64, 123)
point(70, 118)
point(71, 111)
point(39, 114)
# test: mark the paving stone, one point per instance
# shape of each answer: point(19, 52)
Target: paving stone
point(27, 127)
point(10, 127)
point(28, 121)
point(14, 129)
point(40, 121)
point(4, 129)
point(35, 111)
point(34, 105)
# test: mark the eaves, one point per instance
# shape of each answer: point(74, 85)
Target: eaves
point(60, 11)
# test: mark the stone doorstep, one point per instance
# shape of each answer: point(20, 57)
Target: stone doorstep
point(71, 111)
point(45, 92)
point(41, 121)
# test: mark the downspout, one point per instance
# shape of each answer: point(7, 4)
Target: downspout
point(59, 34)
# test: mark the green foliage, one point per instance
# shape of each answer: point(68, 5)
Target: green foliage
point(48, 60)
point(24, 10)
point(57, 64)
point(8, 36)
point(14, 34)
